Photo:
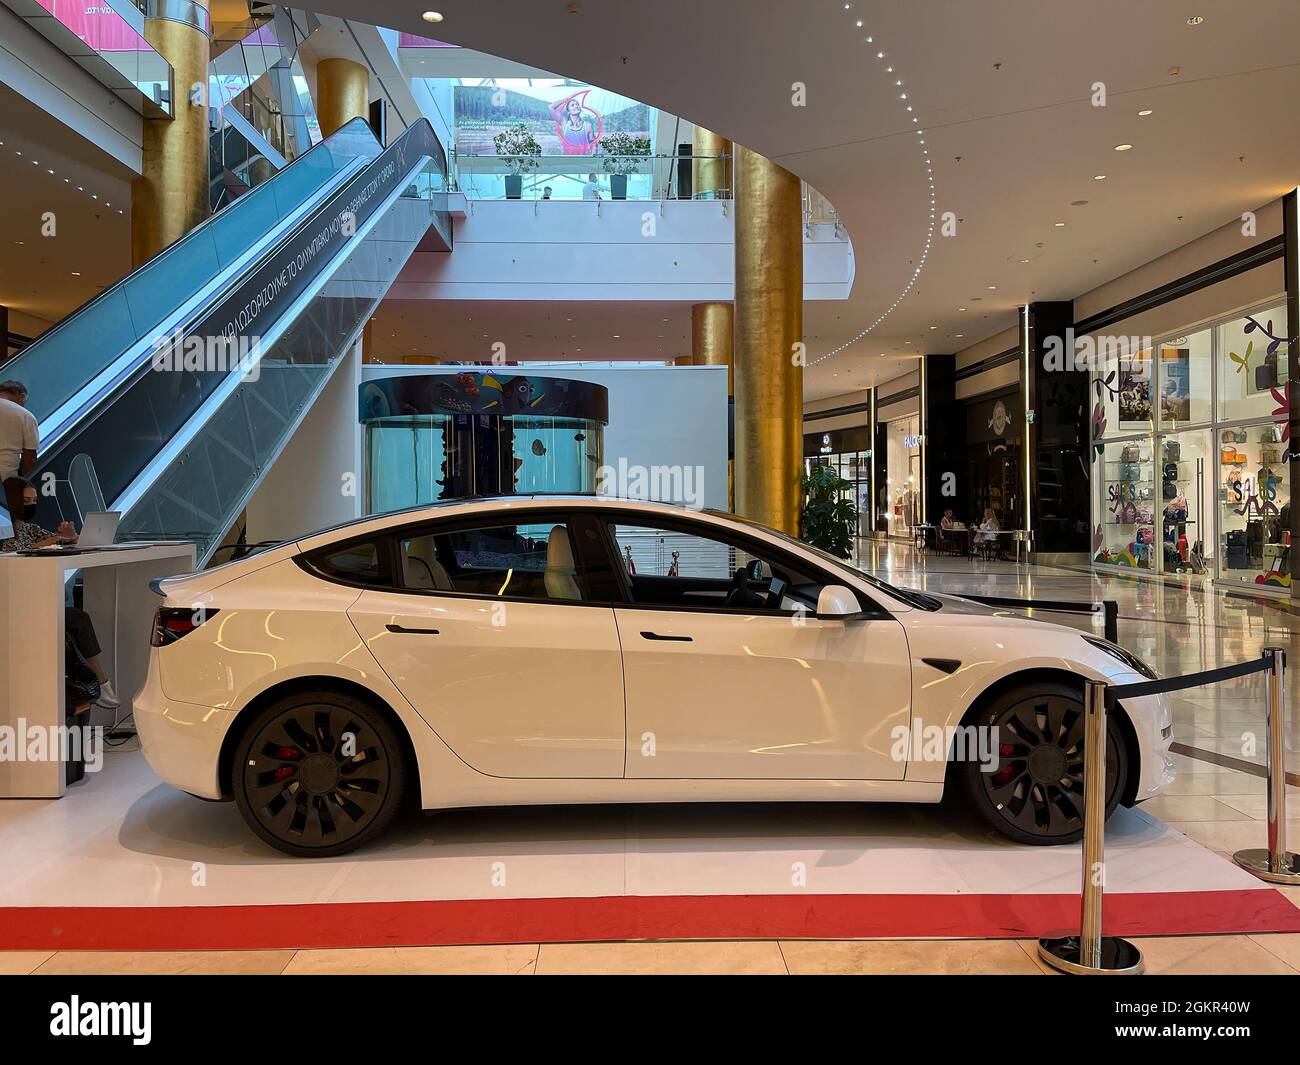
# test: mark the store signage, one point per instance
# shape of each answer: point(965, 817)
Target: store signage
point(914, 441)
point(999, 422)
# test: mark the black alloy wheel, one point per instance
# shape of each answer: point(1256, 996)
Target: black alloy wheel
point(1034, 793)
point(318, 774)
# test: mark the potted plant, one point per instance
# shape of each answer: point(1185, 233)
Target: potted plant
point(829, 519)
point(519, 148)
point(621, 151)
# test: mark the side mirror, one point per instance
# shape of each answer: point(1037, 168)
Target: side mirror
point(837, 603)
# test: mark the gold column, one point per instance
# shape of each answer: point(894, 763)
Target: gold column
point(712, 175)
point(342, 93)
point(712, 329)
point(768, 371)
point(170, 197)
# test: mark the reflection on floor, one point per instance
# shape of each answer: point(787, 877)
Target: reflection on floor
point(138, 843)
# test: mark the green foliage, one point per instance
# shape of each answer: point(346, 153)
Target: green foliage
point(518, 147)
point(829, 519)
point(621, 152)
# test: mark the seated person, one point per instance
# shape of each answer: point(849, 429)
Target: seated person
point(948, 521)
point(20, 500)
point(989, 528)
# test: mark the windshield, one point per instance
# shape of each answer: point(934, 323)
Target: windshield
point(912, 598)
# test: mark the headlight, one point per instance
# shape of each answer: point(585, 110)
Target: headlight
point(1127, 657)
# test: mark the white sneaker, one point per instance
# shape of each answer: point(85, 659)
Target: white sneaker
point(107, 696)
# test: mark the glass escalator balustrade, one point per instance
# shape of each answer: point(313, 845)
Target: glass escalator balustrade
point(180, 442)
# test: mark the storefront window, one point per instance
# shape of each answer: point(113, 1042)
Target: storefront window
point(1250, 378)
point(1124, 534)
point(903, 476)
point(1185, 370)
point(1254, 506)
point(1186, 471)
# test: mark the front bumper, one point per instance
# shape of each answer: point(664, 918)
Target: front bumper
point(1153, 722)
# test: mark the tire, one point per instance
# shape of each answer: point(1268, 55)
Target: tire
point(1035, 793)
point(304, 789)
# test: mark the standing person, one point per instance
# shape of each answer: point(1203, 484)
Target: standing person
point(20, 499)
point(546, 193)
point(19, 432)
point(591, 190)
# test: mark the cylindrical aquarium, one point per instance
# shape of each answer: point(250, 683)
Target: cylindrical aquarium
point(455, 435)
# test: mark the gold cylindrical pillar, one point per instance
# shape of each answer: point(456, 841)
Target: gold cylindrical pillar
point(342, 93)
point(712, 172)
point(171, 197)
point(768, 363)
point(712, 330)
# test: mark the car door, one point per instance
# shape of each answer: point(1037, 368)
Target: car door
point(489, 633)
point(717, 691)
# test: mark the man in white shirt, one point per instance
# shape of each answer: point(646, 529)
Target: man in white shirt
point(591, 190)
point(19, 433)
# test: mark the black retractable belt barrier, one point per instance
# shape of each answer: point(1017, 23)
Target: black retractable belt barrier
point(1108, 608)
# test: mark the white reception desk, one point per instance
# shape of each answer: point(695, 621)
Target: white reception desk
point(117, 597)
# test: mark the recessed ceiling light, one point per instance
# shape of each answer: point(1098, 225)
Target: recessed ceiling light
point(1059, 225)
point(76, 273)
point(1196, 20)
point(1123, 147)
point(993, 288)
point(1144, 112)
point(1024, 260)
point(432, 16)
point(1098, 177)
point(961, 308)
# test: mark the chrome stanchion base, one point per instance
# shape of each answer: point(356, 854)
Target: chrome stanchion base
point(1119, 957)
point(1257, 860)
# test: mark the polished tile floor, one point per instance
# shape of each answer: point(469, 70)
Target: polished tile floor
point(1217, 800)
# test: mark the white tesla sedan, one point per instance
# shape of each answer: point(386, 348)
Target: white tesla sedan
point(585, 650)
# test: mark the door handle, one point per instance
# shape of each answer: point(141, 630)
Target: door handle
point(660, 636)
point(411, 632)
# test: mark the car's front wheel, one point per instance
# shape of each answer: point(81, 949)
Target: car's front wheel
point(317, 774)
point(1032, 789)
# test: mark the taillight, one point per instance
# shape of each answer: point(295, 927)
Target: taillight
point(173, 622)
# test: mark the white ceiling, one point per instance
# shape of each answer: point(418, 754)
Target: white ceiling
point(43, 278)
point(1002, 89)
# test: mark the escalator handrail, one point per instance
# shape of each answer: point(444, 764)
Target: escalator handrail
point(50, 335)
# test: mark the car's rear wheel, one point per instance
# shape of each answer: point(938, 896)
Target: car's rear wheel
point(317, 774)
point(1034, 792)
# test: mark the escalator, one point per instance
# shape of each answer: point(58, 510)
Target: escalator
point(170, 394)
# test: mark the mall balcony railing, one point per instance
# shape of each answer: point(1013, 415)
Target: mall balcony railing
point(107, 41)
point(649, 177)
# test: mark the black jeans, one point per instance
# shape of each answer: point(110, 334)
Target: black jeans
point(82, 631)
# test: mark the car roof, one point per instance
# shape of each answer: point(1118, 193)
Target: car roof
point(498, 504)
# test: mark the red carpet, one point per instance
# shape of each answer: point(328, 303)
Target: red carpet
point(394, 924)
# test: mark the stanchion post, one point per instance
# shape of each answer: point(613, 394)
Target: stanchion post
point(1275, 864)
point(1090, 952)
point(1110, 615)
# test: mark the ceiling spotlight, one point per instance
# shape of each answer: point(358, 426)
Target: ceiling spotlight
point(436, 16)
point(1059, 225)
point(1123, 147)
point(1196, 20)
point(1098, 177)
point(1144, 112)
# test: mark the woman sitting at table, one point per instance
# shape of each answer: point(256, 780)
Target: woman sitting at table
point(988, 529)
point(20, 499)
